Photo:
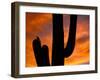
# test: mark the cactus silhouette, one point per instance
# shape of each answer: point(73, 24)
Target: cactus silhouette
point(41, 53)
point(72, 35)
point(58, 51)
point(58, 40)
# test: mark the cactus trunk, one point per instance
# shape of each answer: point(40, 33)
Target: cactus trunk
point(58, 40)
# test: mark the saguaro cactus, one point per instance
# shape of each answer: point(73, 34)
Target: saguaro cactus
point(41, 53)
point(58, 51)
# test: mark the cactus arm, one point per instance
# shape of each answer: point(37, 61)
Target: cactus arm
point(45, 52)
point(72, 36)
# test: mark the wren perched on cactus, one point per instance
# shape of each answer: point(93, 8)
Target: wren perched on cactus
point(58, 50)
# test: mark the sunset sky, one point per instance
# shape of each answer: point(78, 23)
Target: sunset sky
point(40, 24)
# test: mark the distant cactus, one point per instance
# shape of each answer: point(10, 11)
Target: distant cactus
point(58, 51)
point(41, 53)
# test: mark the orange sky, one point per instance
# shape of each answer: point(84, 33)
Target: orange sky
point(40, 24)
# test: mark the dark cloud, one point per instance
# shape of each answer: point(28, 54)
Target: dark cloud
point(83, 39)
